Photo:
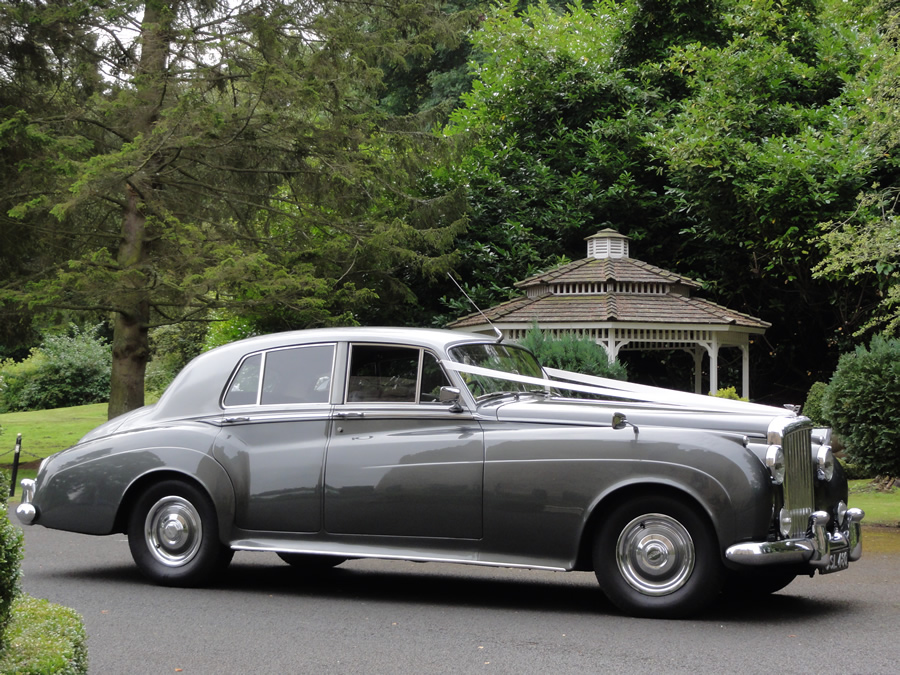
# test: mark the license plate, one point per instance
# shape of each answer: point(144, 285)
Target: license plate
point(839, 561)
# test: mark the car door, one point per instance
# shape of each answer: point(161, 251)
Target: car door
point(275, 429)
point(400, 462)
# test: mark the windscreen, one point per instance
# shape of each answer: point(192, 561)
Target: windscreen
point(505, 358)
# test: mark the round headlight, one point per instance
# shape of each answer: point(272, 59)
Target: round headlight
point(784, 522)
point(775, 462)
point(825, 460)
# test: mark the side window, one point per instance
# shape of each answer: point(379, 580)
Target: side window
point(244, 388)
point(433, 378)
point(385, 374)
point(298, 375)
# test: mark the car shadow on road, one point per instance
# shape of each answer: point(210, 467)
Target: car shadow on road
point(517, 590)
point(449, 586)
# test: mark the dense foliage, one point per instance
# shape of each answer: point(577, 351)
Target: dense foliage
point(717, 135)
point(65, 370)
point(862, 403)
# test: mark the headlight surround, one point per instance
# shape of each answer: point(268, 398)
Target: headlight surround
point(775, 463)
point(785, 522)
point(825, 461)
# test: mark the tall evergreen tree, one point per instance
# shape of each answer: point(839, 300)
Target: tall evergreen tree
point(231, 154)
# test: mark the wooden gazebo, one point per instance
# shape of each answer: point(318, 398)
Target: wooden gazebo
point(624, 304)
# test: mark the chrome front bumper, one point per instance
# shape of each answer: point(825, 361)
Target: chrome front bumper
point(821, 549)
point(26, 511)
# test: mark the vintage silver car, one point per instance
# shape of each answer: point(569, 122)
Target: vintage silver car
point(431, 445)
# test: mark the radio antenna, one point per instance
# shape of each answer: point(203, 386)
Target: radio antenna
point(477, 309)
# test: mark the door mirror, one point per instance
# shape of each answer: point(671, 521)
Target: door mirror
point(451, 395)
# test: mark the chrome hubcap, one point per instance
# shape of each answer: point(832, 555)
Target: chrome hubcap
point(655, 554)
point(173, 531)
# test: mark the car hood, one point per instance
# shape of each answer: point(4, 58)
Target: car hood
point(534, 409)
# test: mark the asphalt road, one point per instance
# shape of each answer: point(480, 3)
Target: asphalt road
point(400, 617)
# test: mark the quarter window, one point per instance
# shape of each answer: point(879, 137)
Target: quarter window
point(301, 375)
point(295, 375)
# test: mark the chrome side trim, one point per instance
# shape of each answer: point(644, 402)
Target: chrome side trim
point(366, 552)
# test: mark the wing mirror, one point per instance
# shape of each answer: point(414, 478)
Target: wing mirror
point(619, 421)
point(451, 395)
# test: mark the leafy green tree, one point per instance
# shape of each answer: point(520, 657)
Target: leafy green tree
point(554, 131)
point(714, 134)
point(862, 246)
point(764, 146)
point(231, 155)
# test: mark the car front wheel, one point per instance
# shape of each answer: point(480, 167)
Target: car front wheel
point(173, 535)
point(658, 557)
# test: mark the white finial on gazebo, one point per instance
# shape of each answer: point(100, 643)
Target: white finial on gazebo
point(607, 244)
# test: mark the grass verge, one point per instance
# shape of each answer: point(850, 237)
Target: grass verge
point(882, 508)
point(44, 638)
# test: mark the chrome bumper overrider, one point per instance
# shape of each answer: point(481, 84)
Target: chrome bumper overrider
point(26, 511)
point(820, 548)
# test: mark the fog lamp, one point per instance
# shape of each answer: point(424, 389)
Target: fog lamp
point(784, 522)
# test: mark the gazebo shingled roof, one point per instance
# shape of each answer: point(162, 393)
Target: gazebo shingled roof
point(623, 303)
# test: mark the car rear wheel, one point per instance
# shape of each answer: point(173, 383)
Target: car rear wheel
point(658, 557)
point(173, 535)
point(311, 561)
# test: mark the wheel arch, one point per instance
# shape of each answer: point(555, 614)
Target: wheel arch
point(215, 484)
point(623, 493)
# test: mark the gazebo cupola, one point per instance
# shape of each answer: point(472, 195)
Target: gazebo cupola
point(624, 304)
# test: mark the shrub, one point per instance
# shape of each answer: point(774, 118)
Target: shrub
point(48, 638)
point(729, 393)
point(10, 559)
point(572, 352)
point(812, 408)
point(862, 402)
point(65, 370)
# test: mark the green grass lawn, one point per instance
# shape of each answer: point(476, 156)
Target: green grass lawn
point(46, 431)
point(882, 508)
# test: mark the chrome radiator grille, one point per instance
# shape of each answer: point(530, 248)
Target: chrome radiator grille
point(798, 479)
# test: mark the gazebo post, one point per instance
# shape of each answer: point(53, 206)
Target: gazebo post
point(745, 370)
point(714, 365)
point(698, 370)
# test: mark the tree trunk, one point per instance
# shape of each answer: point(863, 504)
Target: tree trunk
point(131, 347)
